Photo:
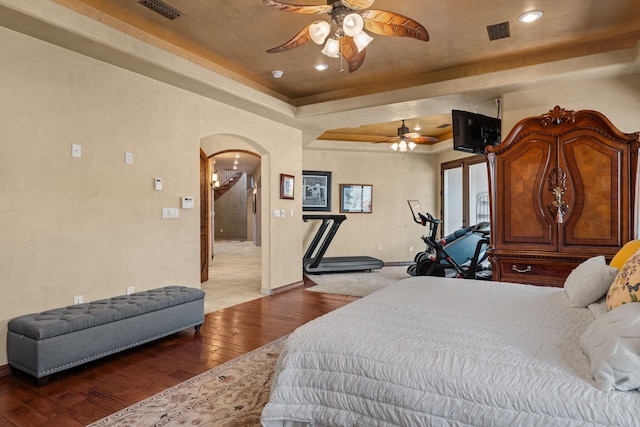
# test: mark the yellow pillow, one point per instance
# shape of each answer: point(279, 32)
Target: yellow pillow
point(624, 253)
point(626, 286)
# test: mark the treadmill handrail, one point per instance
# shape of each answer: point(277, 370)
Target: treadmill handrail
point(340, 218)
point(335, 221)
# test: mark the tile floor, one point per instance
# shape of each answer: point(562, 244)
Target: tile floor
point(234, 275)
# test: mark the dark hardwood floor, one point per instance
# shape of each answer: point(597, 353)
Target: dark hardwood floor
point(85, 394)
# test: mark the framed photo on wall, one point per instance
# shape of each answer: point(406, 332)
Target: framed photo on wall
point(316, 191)
point(356, 198)
point(286, 186)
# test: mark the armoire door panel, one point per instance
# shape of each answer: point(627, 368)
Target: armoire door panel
point(524, 222)
point(595, 215)
point(580, 183)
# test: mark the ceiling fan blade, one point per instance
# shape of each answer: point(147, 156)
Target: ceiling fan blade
point(350, 53)
point(392, 24)
point(298, 40)
point(423, 139)
point(357, 4)
point(298, 8)
point(394, 139)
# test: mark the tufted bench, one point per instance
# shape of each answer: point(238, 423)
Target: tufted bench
point(41, 344)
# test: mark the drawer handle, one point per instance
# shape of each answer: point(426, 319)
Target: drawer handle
point(518, 270)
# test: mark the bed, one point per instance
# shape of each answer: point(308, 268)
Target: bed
point(430, 351)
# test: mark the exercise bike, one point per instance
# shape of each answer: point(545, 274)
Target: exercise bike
point(461, 254)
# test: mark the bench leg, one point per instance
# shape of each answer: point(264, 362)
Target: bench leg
point(43, 381)
point(197, 327)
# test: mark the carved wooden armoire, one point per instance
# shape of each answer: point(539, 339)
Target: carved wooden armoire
point(563, 189)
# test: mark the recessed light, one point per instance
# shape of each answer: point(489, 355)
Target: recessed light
point(531, 16)
point(321, 67)
point(277, 73)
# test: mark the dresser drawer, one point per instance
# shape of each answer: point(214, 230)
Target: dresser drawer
point(550, 272)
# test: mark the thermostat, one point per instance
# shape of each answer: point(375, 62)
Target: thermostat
point(187, 203)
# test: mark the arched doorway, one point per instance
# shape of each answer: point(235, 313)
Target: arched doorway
point(233, 219)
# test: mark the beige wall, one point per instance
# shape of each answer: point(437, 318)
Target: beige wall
point(93, 226)
point(616, 98)
point(395, 177)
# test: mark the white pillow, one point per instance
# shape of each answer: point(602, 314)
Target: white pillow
point(612, 343)
point(589, 281)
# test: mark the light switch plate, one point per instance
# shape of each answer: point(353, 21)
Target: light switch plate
point(76, 150)
point(170, 213)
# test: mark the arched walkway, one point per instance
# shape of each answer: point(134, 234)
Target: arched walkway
point(235, 268)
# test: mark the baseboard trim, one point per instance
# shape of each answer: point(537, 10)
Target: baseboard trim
point(282, 288)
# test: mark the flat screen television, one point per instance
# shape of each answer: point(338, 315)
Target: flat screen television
point(472, 132)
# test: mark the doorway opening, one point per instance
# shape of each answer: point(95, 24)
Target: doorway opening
point(234, 238)
point(464, 193)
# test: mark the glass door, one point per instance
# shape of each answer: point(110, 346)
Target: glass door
point(465, 193)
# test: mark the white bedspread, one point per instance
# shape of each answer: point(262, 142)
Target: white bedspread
point(433, 352)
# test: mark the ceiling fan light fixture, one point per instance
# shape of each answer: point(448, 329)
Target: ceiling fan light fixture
point(530, 16)
point(411, 145)
point(332, 48)
point(402, 146)
point(319, 31)
point(352, 24)
point(395, 146)
point(361, 40)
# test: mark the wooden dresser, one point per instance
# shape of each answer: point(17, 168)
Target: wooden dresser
point(562, 189)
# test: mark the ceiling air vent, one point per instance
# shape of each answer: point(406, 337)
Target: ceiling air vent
point(162, 8)
point(498, 31)
point(444, 125)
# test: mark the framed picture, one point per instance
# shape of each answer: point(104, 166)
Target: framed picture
point(316, 191)
point(286, 186)
point(356, 198)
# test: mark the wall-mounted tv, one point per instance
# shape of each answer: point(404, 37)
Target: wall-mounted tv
point(472, 132)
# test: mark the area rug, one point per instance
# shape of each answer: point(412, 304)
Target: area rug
point(230, 395)
point(357, 284)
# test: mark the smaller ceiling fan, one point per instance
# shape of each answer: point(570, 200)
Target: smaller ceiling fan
point(407, 140)
point(349, 18)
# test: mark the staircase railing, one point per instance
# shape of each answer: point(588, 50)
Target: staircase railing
point(227, 179)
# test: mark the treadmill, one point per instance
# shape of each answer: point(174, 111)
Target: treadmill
point(314, 261)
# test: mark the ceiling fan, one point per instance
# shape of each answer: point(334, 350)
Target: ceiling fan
point(407, 140)
point(351, 18)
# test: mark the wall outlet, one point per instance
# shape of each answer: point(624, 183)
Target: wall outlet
point(129, 290)
point(76, 150)
point(77, 299)
point(410, 248)
point(379, 246)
